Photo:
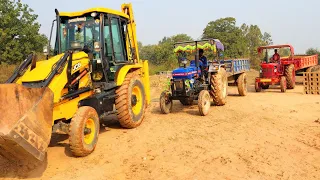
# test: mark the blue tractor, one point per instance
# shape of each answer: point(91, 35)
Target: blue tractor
point(199, 80)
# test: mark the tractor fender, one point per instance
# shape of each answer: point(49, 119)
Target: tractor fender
point(123, 71)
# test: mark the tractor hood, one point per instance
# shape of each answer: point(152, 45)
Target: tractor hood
point(44, 67)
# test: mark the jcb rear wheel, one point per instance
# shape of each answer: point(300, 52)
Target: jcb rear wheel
point(290, 76)
point(204, 102)
point(242, 84)
point(219, 84)
point(131, 101)
point(84, 131)
point(283, 84)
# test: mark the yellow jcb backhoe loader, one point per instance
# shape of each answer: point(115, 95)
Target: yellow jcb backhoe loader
point(95, 70)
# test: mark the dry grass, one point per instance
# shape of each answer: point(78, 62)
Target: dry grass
point(6, 71)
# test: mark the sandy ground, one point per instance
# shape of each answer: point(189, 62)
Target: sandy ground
point(268, 135)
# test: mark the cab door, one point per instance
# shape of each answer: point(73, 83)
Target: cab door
point(115, 29)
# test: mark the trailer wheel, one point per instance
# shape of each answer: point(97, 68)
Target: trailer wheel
point(186, 101)
point(283, 84)
point(242, 84)
point(219, 85)
point(264, 86)
point(131, 102)
point(257, 87)
point(204, 102)
point(165, 102)
point(84, 131)
point(290, 76)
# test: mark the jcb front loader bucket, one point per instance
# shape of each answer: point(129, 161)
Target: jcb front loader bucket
point(25, 122)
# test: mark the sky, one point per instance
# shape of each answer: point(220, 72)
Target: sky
point(296, 22)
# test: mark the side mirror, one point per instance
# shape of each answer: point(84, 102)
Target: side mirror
point(46, 50)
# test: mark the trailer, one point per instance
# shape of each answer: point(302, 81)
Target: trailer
point(236, 72)
point(284, 70)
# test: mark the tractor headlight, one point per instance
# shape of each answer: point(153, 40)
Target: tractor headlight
point(275, 70)
point(184, 61)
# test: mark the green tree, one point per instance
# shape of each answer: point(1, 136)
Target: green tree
point(162, 54)
point(229, 34)
point(19, 32)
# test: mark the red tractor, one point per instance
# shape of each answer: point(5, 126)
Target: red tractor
point(281, 69)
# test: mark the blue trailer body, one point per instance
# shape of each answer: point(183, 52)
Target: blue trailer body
point(237, 66)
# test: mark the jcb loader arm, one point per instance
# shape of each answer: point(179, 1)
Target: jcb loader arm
point(25, 122)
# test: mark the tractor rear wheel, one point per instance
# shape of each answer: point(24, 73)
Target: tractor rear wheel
point(186, 101)
point(283, 84)
point(257, 87)
point(84, 131)
point(165, 102)
point(131, 101)
point(290, 76)
point(264, 86)
point(242, 84)
point(219, 85)
point(204, 102)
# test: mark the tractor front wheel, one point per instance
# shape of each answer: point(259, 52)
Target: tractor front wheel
point(264, 86)
point(131, 101)
point(242, 84)
point(257, 87)
point(219, 85)
point(204, 102)
point(283, 84)
point(84, 131)
point(165, 102)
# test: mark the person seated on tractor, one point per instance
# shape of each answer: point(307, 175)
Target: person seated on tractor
point(276, 57)
point(203, 58)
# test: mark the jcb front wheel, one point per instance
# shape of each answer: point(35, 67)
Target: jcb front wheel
point(84, 131)
point(131, 102)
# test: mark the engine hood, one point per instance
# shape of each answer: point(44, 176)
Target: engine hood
point(44, 67)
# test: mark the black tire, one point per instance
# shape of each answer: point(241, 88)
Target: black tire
point(165, 103)
point(219, 87)
point(264, 86)
point(242, 84)
point(283, 84)
point(186, 101)
point(131, 101)
point(290, 76)
point(257, 87)
point(204, 102)
point(82, 144)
